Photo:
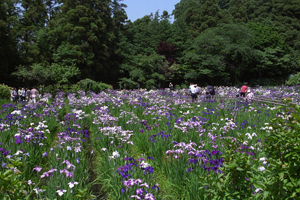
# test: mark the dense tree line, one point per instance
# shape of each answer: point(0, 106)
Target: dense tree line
point(209, 42)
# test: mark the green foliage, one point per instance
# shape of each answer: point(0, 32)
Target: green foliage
point(293, 79)
point(85, 84)
point(266, 36)
point(62, 74)
point(276, 178)
point(238, 176)
point(220, 55)
point(284, 15)
point(66, 54)
point(42, 73)
point(198, 15)
point(90, 85)
point(53, 89)
point(36, 73)
point(148, 71)
point(33, 18)
point(104, 86)
point(4, 91)
point(283, 150)
point(11, 185)
point(85, 35)
point(72, 40)
point(9, 55)
point(83, 194)
point(274, 62)
point(238, 11)
point(127, 83)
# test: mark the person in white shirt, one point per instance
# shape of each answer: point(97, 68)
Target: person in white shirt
point(194, 93)
point(23, 94)
point(250, 95)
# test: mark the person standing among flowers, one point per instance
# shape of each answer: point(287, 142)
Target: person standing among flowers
point(198, 89)
point(202, 96)
point(27, 94)
point(208, 95)
point(244, 89)
point(190, 87)
point(15, 95)
point(238, 92)
point(23, 94)
point(33, 94)
point(250, 95)
point(211, 91)
point(19, 93)
point(194, 93)
point(171, 86)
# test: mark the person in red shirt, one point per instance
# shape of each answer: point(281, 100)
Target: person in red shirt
point(244, 89)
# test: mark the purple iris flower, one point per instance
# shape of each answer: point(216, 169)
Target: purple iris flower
point(149, 157)
point(148, 169)
point(123, 190)
point(189, 169)
point(45, 154)
point(155, 186)
point(5, 153)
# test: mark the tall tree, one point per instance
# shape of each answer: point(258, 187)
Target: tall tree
point(220, 55)
point(9, 57)
point(52, 8)
point(85, 32)
point(148, 71)
point(238, 10)
point(167, 50)
point(119, 44)
point(274, 57)
point(285, 15)
point(33, 18)
point(199, 15)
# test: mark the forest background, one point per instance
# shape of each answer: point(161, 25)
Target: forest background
point(219, 42)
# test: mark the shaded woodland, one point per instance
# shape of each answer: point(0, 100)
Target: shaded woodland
point(220, 42)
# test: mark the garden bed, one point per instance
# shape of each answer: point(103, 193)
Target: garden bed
point(137, 144)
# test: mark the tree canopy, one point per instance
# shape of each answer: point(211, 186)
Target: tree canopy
point(209, 42)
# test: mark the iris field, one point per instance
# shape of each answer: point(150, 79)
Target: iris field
point(150, 145)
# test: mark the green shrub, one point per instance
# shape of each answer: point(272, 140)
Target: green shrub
point(85, 84)
point(293, 80)
point(240, 175)
point(176, 87)
point(283, 153)
point(90, 85)
point(184, 86)
point(53, 89)
point(4, 91)
point(12, 185)
point(74, 88)
point(275, 176)
point(104, 86)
